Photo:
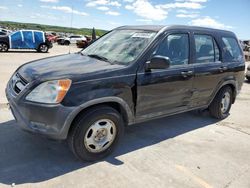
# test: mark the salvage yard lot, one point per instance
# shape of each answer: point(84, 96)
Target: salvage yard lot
point(186, 150)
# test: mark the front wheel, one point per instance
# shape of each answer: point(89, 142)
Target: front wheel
point(3, 47)
point(43, 48)
point(222, 103)
point(96, 133)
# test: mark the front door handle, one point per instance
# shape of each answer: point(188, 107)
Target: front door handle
point(222, 69)
point(186, 74)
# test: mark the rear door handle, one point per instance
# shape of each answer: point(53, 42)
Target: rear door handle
point(222, 69)
point(186, 74)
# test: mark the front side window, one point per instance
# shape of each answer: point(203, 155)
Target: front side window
point(16, 36)
point(206, 49)
point(120, 46)
point(176, 48)
point(232, 50)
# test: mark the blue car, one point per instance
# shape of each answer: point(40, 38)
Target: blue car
point(25, 39)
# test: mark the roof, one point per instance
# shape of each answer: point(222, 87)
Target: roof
point(30, 30)
point(157, 28)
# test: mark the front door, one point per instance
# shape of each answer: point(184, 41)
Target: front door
point(16, 40)
point(161, 92)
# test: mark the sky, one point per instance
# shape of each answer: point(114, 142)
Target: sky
point(231, 15)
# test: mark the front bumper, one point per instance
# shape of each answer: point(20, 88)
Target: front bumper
point(52, 121)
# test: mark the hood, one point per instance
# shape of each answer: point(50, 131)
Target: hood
point(64, 66)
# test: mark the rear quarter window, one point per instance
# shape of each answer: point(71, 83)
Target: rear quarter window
point(39, 37)
point(232, 51)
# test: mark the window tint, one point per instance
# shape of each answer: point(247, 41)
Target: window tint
point(206, 49)
point(176, 48)
point(232, 49)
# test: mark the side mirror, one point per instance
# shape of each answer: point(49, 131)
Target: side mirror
point(158, 62)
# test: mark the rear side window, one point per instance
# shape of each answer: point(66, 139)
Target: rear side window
point(176, 48)
point(28, 36)
point(39, 37)
point(206, 49)
point(232, 50)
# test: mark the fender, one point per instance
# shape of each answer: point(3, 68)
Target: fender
point(90, 103)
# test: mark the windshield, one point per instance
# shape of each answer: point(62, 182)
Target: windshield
point(120, 46)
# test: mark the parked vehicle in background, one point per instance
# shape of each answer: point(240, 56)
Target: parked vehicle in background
point(6, 31)
point(247, 45)
point(83, 43)
point(25, 39)
point(130, 75)
point(52, 38)
point(60, 40)
point(71, 40)
point(248, 73)
point(2, 33)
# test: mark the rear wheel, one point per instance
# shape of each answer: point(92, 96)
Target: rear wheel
point(96, 133)
point(3, 47)
point(222, 103)
point(43, 48)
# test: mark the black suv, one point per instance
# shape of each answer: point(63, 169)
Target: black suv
point(131, 74)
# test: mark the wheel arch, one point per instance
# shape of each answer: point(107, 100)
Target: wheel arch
point(232, 84)
point(115, 102)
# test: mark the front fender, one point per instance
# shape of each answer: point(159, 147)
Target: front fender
point(78, 109)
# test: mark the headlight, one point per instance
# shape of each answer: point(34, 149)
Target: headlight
point(50, 92)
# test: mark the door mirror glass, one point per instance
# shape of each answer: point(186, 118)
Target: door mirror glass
point(158, 62)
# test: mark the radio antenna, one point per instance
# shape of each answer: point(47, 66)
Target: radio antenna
point(71, 26)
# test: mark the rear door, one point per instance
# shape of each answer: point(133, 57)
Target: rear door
point(39, 37)
point(28, 40)
point(208, 68)
point(161, 92)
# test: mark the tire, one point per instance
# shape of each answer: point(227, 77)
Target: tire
point(221, 105)
point(248, 78)
point(3, 47)
point(91, 128)
point(43, 48)
point(66, 43)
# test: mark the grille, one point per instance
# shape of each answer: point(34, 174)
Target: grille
point(18, 83)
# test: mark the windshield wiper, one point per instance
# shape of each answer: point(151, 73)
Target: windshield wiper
point(98, 57)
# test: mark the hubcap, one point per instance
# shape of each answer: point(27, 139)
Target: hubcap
point(100, 135)
point(3, 47)
point(43, 48)
point(225, 102)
